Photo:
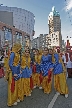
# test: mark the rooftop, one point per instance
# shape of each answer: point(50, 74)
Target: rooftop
point(54, 12)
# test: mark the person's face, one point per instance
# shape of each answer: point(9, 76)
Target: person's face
point(45, 51)
point(34, 51)
point(37, 52)
point(27, 53)
point(50, 51)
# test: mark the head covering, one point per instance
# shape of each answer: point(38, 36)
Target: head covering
point(16, 47)
point(40, 51)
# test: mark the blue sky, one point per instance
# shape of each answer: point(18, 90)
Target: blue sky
point(41, 9)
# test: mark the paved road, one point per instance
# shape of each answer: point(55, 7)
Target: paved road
point(38, 98)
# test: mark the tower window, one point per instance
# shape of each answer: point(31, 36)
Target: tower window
point(52, 35)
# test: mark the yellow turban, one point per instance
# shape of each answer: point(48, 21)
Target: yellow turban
point(40, 51)
point(16, 47)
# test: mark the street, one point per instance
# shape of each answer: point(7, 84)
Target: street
point(38, 98)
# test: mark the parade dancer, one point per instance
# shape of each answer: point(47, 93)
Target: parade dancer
point(26, 73)
point(38, 75)
point(46, 69)
point(14, 81)
point(60, 84)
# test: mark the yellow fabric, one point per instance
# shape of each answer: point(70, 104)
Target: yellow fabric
point(35, 76)
point(12, 97)
point(26, 87)
point(60, 84)
point(25, 61)
point(53, 59)
point(6, 65)
point(18, 90)
point(16, 47)
point(36, 80)
point(38, 58)
point(6, 59)
point(7, 71)
point(40, 52)
point(46, 86)
point(16, 59)
point(10, 94)
point(60, 60)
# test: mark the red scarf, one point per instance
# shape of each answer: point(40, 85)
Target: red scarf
point(13, 85)
point(49, 76)
point(41, 77)
point(31, 83)
point(34, 68)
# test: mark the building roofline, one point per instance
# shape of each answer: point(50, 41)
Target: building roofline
point(19, 8)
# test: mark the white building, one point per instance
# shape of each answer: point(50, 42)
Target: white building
point(54, 23)
point(53, 39)
point(39, 42)
point(22, 19)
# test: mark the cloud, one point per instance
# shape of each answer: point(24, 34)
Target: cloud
point(68, 6)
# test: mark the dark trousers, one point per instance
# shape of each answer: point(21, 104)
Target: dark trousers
point(69, 70)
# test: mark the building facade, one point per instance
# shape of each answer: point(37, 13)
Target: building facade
point(40, 42)
point(19, 18)
point(54, 23)
point(52, 39)
point(13, 35)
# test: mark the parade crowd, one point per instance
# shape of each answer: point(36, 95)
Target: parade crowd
point(27, 70)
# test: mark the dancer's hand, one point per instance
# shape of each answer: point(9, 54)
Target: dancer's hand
point(42, 72)
point(15, 75)
point(51, 69)
point(20, 72)
point(34, 63)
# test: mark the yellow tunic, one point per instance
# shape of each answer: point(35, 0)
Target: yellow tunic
point(46, 86)
point(12, 97)
point(60, 84)
point(36, 80)
point(26, 90)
